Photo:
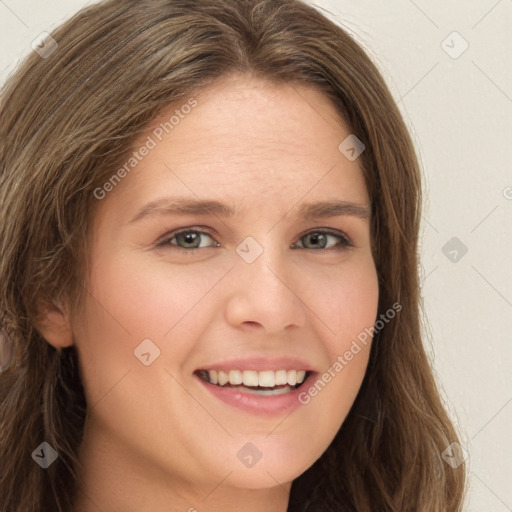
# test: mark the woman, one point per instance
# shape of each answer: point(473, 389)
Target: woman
point(278, 365)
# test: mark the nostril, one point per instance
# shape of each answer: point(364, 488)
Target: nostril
point(251, 324)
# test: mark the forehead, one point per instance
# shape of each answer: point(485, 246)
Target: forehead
point(248, 141)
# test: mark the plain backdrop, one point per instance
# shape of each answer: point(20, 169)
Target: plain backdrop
point(449, 67)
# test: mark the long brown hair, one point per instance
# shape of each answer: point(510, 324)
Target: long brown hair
point(68, 120)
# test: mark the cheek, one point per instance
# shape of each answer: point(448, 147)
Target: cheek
point(345, 298)
point(348, 302)
point(130, 300)
point(149, 298)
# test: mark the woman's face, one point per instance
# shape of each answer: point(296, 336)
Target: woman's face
point(276, 277)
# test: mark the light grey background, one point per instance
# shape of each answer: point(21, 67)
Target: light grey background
point(459, 111)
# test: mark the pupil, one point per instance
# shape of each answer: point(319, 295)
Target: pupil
point(315, 238)
point(189, 238)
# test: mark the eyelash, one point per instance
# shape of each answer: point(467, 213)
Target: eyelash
point(344, 244)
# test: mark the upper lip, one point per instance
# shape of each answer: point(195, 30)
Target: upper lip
point(259, 364)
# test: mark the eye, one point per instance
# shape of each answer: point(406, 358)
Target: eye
point(319, 240)
point(186, 239)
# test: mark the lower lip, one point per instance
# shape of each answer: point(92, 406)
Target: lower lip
point(257, 404)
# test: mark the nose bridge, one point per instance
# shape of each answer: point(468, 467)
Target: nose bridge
point(264, 263)
point(263, 290)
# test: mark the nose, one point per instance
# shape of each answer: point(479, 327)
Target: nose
point(265, 295)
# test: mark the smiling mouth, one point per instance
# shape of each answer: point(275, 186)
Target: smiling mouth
point(266, 382)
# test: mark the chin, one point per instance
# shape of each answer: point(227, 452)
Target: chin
point(265, 463)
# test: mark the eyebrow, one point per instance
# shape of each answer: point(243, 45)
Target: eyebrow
point(186, 206)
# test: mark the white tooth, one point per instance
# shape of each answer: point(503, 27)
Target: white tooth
point(281, 378)
point(250, 378)
point(266, 379)
point(235, 377)
point(222, 378)
point(301, 374)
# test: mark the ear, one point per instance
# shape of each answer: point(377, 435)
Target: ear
point(54, 325)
